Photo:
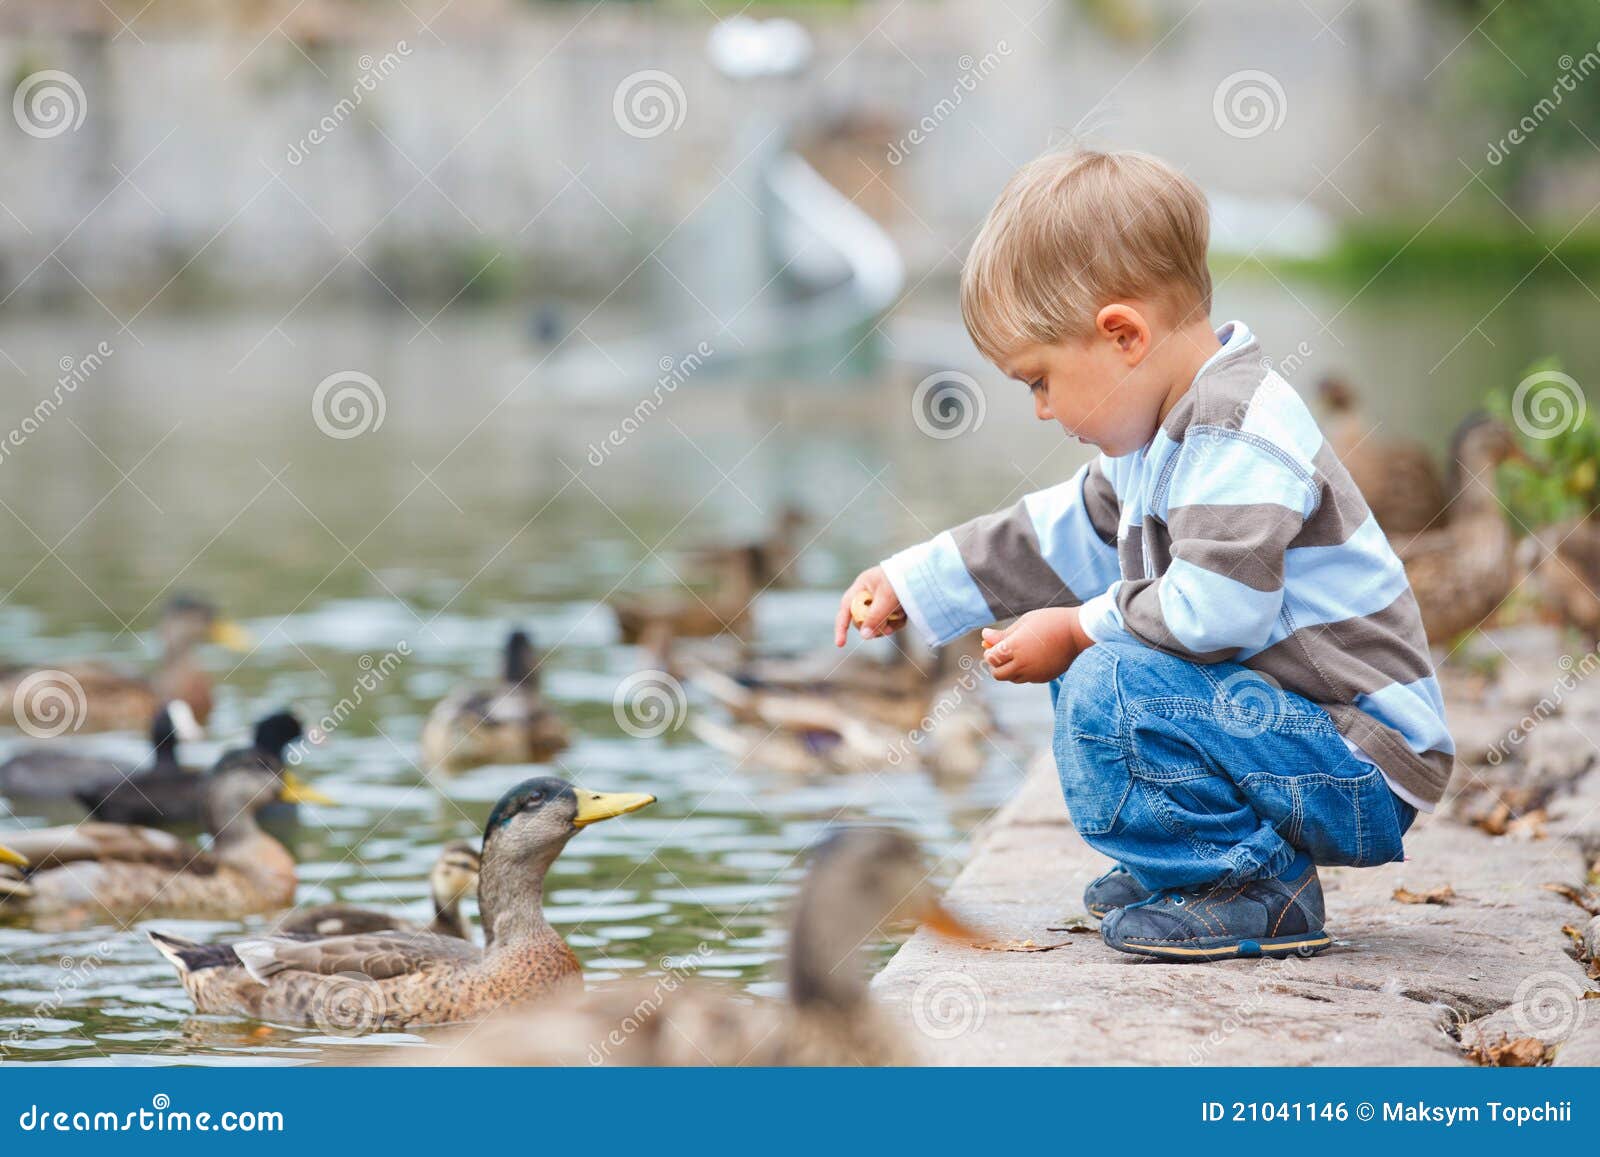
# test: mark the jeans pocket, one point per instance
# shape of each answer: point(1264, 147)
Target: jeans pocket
point(1348, 821)
point(1095, 780)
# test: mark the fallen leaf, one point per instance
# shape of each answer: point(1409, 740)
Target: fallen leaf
point(1440, 895)
point(1074, 924)
point(1590, 994)
point(1529, 826)
point(1588, 901)
point(1575, 934)
point(1522, 1053)
point(1019, 946)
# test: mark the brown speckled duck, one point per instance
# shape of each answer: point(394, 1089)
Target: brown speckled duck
point(1461, 572)
point(398, 978)
point(1562, 562)
point(687, 614)
point(118, 872)
point(506, 723)
point(1397, 476)
point(454, 877)
point(118, 701)
point(860, 878)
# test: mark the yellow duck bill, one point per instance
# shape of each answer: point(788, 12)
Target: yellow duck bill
point(594, 806)
point(15, 859)
point(295, 790)
point(229, 634)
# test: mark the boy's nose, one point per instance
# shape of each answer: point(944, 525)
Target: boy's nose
point(1041, 408)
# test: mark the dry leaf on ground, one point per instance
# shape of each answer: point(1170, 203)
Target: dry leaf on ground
point(1443, 894)
point(1522, 1053)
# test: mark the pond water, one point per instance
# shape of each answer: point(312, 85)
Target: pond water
point(190, 461)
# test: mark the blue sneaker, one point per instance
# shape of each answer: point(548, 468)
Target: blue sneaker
point(1116, 889)
point(1276, 917)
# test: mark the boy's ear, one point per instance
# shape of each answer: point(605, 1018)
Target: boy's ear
point(1126, 327)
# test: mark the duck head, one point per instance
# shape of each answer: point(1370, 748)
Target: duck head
point(521, 661)
point(234, 796)
point(189, 620)
point(525, 833)
point(861, 879)
point(275, 732)
point(455, 874)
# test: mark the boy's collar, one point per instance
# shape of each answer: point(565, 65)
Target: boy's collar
point(1237, 341)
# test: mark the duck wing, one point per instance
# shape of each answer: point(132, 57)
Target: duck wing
point(40, 773)
point(380, 955)
point(339, 920)
point(102, 842)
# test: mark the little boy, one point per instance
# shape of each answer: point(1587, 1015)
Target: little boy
point(1243, 688)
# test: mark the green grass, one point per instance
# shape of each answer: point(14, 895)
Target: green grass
point(1404, 253)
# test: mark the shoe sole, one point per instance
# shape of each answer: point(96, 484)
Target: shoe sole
point(1276, 948)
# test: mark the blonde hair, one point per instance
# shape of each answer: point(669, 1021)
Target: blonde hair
point(1074, 231)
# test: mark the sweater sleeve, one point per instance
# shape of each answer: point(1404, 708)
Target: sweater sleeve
point(1233, 505)
point(1055, 548)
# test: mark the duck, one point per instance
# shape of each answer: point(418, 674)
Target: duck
point(121, 872)
point(454, 877)
point(111, 700)
point(167, 793)
point(48, 772)
point(1461, 572)
point(859, 879)
point(1397, 476)
point(1562, 564)
point(689, 613)
point(506, 723)
point(769, 560)
point(394, 979)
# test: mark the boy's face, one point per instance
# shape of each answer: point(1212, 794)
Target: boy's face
point(1098, 388)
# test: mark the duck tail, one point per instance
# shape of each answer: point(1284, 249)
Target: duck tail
point(188, 956)
point(14, 890)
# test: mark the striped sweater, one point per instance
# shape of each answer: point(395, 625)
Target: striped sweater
point(1235, 534)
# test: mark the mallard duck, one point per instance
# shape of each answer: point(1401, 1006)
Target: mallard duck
point(48, 772)
point(114, 700)
point(168, 793)
point(95, 871)
point(859, 880)
point(1562, 563)
point(506, 723)
point(1461, 572)
point(769, 561)
point(689, 613)
point(1397, 476)
point(454, 877)
point(394, 979)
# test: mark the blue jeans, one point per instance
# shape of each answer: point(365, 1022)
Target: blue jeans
point(1191, 774)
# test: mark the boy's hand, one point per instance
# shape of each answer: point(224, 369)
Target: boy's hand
point(1037, 647)
point(884, 615)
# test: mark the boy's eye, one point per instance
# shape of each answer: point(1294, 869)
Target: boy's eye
point(1036, 385)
